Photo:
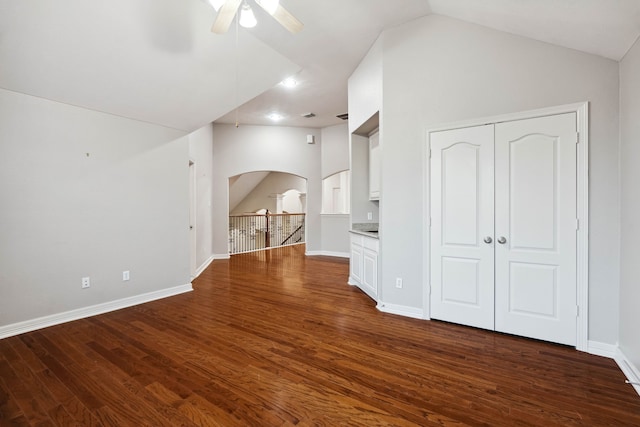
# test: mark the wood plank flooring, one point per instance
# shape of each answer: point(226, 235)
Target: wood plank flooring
point(278, 339)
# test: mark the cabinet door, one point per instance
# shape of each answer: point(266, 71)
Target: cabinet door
point(356, 263)
point(370, 272)
point(462, 248)
point(374, 166)
point(536, 228)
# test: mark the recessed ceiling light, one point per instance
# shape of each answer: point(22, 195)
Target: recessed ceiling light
point(275, 117)
point(289, 82)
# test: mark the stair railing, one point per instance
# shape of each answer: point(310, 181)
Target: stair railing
point(253, 232)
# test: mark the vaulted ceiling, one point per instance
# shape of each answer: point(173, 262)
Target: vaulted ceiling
point(157, 61)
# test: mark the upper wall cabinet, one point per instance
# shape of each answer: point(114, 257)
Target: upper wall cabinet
point(374, 165)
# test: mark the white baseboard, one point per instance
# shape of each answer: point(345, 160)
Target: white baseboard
point(400, 310)
point(204, 266)
point(602, 349)
point(221, 256)
point(81, 313)
point(328, 253)
point(631, 371)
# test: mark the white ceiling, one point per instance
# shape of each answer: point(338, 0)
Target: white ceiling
point(602, 27)
point(157, 61)
point(150, 60)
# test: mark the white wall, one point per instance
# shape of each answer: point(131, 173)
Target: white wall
point(365, 87)
point(201, 152)
point(261, 148)
point(86, 194)
point(361, 206)
point(241, 185)
point(438, 70)
point(335, 149)
point(335, 236)
point(262, 196)
point(335, 158)
point(630, 204)
point(365, 100)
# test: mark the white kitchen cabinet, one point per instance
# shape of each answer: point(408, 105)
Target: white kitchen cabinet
point(356, 260)
point(374, 165)
point(364, 264)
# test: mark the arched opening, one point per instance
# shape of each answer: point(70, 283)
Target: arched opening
point(266, 210)
point(335, 193)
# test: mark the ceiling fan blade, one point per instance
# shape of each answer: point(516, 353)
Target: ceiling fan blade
point(225, 16)
point(287, 20)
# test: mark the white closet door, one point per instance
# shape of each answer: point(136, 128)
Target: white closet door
point(462, 272)
point(535, 201)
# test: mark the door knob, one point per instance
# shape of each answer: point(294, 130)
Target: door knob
point(502, 240)
point(488, 239)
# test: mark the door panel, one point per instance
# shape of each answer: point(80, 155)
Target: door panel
point(533, 192)
point(370, 272)
point(533, 289)
point(461, 281)
point(535, 201)
point(356, 262)
point(460, 194)
point(462, 272)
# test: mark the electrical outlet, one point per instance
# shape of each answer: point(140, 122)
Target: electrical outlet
point(369, 215)
point(86, 282)
point(399, 282)
point(125, 276)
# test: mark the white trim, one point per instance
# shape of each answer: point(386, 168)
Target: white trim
point(262, 249)
point(328, 253)
point(582, 236)
point(81, 313)
point(401, 310)
point(582, 202)
point(204, 266)
point(426, 227)
point(579, 107)
point(221, 256)
point(629, 369)
point(602, 349)
point(193, 215)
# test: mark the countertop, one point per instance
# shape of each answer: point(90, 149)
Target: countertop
point(373, 234)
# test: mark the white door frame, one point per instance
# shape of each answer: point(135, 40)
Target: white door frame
point(582, 205)
point(193, 208)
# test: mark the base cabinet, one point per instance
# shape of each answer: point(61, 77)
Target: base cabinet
point(356, 262)
point(364, 264)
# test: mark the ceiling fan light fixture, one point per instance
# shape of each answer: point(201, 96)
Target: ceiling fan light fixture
point(269, 5)
point(247, 18)
point(217, 4)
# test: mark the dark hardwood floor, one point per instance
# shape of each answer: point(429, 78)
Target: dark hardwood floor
point(274, 338)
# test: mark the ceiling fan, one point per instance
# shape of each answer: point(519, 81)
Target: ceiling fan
point(227, 10)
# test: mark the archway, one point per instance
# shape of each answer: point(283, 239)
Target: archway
point(266, 209)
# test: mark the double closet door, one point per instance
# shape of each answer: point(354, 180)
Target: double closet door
point(503, 227)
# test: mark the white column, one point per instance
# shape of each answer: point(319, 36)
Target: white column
point(276, 203)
